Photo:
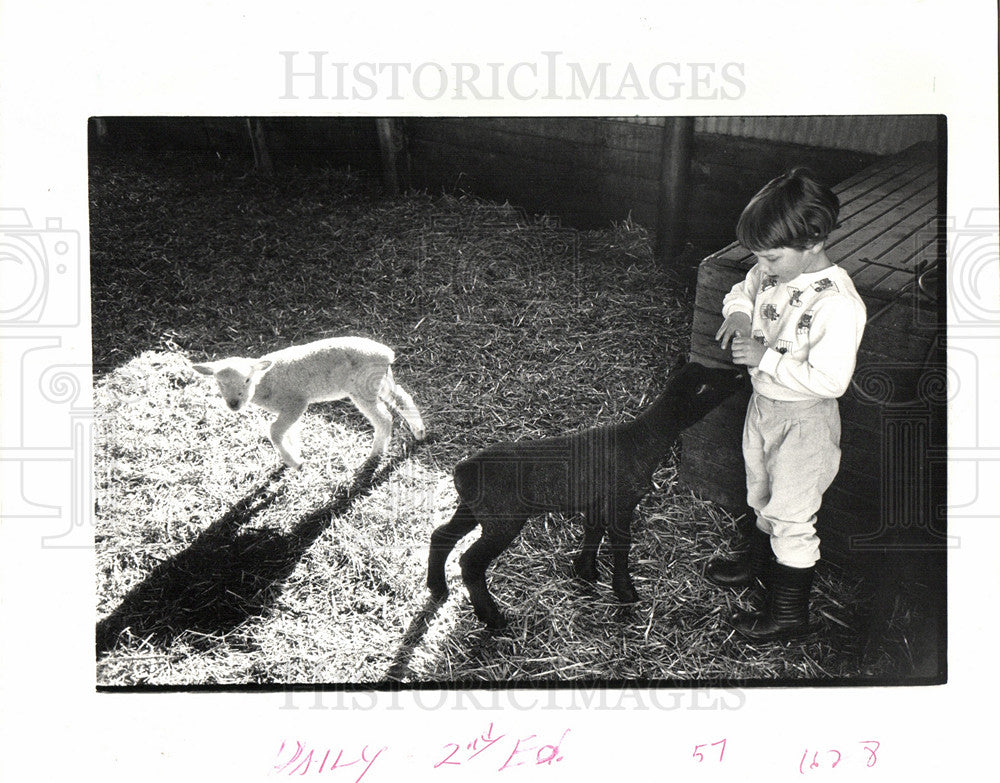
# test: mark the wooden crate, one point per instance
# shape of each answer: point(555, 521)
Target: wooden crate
point(892, 415)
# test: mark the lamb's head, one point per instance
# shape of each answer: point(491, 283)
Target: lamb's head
point(237, 378)
point(698, 389)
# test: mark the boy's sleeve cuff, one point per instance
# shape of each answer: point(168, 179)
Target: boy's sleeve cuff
point(737, 307)
point(769, 361)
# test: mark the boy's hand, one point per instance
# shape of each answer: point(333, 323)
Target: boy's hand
point(747, 351)
point(736, 325)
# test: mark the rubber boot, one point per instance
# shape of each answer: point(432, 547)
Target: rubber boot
point(747, 567)
point(786, 606)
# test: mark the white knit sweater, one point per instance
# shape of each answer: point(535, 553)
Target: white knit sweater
point(812, 328)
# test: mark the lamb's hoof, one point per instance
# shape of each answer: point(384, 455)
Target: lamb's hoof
point(626, 593)
point(497, 623)
point(425, 438)
point(493, 619)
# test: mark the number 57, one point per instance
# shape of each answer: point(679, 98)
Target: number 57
point(701, 757)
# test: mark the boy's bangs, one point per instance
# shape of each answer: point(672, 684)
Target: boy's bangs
point(765, 225)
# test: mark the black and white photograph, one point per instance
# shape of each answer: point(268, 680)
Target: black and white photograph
point(530, 392)
point(534, 474)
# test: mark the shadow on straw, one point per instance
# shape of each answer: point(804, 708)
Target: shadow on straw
point(228, 574)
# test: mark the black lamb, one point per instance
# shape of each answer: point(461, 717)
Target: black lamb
point(602, 472)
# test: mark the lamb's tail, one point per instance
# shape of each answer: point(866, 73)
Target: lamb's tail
point(396, 397)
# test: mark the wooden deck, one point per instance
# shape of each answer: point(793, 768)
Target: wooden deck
point(887, 241)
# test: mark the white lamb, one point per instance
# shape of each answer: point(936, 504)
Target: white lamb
point(286, 381)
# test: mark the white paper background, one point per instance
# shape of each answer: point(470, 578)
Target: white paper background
point(64, 62)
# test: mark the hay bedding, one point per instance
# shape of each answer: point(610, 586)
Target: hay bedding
point(213, 567)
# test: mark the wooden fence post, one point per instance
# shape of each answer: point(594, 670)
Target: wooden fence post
point(388, 147)
point(674, 188)
point(261, 157)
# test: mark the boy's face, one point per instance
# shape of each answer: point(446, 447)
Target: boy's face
point(787, 263)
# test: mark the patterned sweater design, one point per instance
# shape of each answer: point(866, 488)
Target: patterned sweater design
point(812, 327)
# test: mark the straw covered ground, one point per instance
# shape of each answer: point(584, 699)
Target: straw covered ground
point(215, 566)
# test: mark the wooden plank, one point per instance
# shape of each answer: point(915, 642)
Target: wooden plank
point(886, 281)
point(584, 131)
point(457, 156)
point(880, 135)
point(715, 153)
point(911, 157)
point(586, 196)
point(880, 181)
point(915, 251)
point(573, 145)
point(874, 191)
point(883, 236)
point(886, 223)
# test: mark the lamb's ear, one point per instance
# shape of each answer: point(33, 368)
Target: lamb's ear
point(204, 369)
point(261, 364)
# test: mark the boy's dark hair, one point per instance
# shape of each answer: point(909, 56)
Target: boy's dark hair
point(794, 210)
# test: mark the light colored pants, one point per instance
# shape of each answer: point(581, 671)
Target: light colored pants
point(792, 454)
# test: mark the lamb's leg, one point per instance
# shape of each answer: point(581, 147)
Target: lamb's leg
point(585, 563)
point(620, 536)
point(378, 414)
point(443, 540)
point(398, 398)
point(497, 535)
point(280, 438)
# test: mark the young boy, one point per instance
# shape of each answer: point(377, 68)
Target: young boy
point(796, 321)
